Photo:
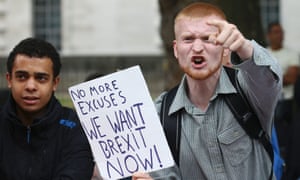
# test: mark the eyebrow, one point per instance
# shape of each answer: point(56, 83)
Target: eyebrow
point(35, 74)
point(41, 74)
point(20, 71)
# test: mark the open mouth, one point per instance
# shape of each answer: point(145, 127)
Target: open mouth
point(30, 100)
point(198, 60)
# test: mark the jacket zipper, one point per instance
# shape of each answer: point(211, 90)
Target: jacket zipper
point(28, 138)
point(28, 134)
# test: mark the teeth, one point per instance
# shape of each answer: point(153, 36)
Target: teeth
point(198, 61)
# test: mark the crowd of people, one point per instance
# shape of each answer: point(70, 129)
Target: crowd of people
point(41, 139)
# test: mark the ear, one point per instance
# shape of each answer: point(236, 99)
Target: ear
point(175, 48)
point(55, 83)
point(8, 79)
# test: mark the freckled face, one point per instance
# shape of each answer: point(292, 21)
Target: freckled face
point(196, 56)
point(32, 83)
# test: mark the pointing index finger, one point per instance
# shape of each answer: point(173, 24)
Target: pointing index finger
point(220, 24)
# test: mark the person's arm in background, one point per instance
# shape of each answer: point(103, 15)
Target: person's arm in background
point(291, 75)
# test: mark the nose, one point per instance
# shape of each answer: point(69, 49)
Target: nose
point(198, 45)
point(30, 84)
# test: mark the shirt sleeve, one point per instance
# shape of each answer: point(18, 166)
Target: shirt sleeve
point(261, 79)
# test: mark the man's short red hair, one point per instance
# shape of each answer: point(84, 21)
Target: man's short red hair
point(199, 10)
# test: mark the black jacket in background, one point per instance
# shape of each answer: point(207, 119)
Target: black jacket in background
point(53, 147)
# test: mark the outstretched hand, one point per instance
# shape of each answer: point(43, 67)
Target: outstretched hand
point(230, 37)
point(141, 176)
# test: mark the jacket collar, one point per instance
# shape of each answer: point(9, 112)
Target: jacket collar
point(181, 100)
point(51, 113)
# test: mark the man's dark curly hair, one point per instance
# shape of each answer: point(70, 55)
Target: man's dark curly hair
point(33, 47)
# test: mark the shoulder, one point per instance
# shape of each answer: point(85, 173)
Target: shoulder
point(69, 118)
point(69, 112)
point(289, 51)
point(158, 101)
point(286, 56)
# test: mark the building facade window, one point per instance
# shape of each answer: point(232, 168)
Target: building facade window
point(47, 21)
point(269, 12)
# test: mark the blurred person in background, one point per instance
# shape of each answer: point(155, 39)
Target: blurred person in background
point(289, 62)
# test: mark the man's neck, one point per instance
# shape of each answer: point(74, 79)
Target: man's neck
point(276, 48)
point(26, 117)
point(200, 92)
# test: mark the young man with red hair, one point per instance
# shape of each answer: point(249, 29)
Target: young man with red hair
point(212, 143)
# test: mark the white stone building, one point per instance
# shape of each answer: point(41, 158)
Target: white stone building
point(114, 27)
point(289, 17)
point(90, 27)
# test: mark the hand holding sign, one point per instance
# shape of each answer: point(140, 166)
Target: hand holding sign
point(122, 127)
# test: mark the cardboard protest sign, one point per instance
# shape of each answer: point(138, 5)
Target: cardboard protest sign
point(121, 123)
